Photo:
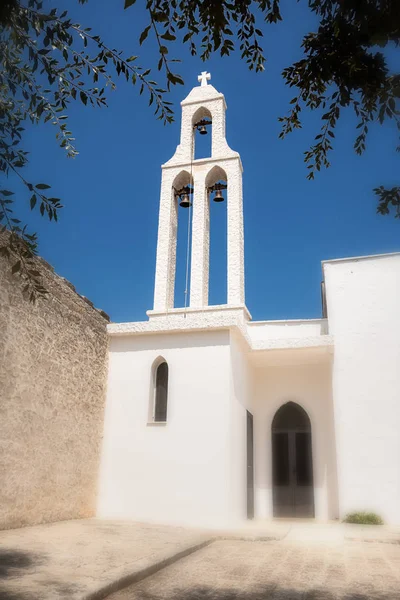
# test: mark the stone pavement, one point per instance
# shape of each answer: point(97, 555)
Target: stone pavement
point(88, 559)
point(79, 559)
point(303, 530)
point(280, 570)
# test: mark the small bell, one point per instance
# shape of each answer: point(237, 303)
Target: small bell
point(202, 130)
point(218, 196)
point(185, 201)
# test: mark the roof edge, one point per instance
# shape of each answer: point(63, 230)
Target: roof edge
point(358, 258)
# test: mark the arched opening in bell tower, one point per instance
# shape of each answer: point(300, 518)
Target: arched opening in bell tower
point(202, 133)
point(181, 192)
point(224, 283)
point(216, 189)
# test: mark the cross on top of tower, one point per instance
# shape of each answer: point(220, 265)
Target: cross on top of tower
point(203, 78)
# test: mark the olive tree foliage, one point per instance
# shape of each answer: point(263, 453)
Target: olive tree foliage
point(49, 61)
point(343, 65)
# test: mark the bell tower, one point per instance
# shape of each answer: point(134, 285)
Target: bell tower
point(189, 184)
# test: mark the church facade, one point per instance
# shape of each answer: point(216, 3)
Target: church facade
point(212, 418)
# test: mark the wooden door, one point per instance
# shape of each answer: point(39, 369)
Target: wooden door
point(250, 467)
point(292, 476)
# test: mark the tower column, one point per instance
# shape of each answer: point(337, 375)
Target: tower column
point(166, 246)
point(235, 233)
point(223, 164)
point(199, 273)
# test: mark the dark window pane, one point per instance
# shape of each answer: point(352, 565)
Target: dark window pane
point(280, 453)
point(303, 458)
point(250, 467)
point(291, 416)
point(160, 412)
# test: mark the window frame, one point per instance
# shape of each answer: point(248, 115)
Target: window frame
point(153, 393)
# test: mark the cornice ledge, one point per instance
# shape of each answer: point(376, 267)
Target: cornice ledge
point(224, 317)
point(170, 164)
point(320, 341)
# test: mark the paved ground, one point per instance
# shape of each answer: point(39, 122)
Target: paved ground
point(73, 559)
point(88, 559)
point(302, 530)
point(278, 570)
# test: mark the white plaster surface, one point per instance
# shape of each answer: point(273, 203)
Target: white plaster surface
point(343, 370)
point(363, 299)
point(309, 386)
point(203, 102)
point(261, 335)
point(259, 366)
point(259, 331)
point(176, 473)
point(193, 469)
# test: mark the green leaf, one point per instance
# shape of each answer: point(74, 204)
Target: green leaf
point(174, 79)
point(144, 34)
point(170, 37)
point(160, 17)
point(42, 186)
point(83, 97)
point(6, 193)
point(129, 3)
point(33, 201)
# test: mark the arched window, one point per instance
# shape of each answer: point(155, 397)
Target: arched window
point(291, 416)
point(218, 233)
point(161, 393)
point(183, 183)
point(202, 133)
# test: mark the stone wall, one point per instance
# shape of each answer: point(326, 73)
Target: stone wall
point(53, 362)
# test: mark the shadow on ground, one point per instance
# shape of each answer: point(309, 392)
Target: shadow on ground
point(9, 595)
point(259, 593)
point(13, 563)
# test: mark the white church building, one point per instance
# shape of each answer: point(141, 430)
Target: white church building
point(212, 418)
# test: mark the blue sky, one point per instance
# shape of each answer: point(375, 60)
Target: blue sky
point(105, 240)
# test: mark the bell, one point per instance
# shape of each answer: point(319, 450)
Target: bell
point(202, 130)
point(218, 196)
point(185, 201)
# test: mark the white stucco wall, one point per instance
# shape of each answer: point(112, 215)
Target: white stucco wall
point(180, 472)
point(224, 163)
point(192, 470)
point(363, 299)
point(260, 331)
point(309, 386)
point(241, 400)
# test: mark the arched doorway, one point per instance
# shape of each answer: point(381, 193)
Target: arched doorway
point(292, 470)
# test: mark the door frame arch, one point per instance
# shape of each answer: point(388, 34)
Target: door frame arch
point(292, 462)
